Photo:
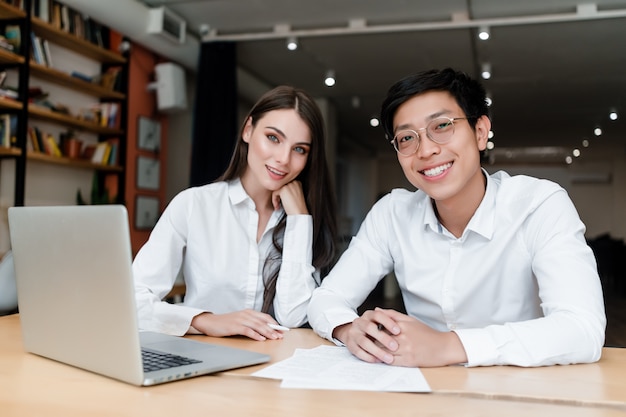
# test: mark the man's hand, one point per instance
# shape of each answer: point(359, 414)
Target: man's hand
point(422, 346)
point(397, 339)
point(365, 339)
point(250, 323)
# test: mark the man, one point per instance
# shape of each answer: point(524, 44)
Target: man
point(493, 269)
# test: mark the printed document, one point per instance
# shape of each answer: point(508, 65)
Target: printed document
point(334, 367)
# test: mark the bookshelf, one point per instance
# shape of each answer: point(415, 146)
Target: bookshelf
point(30, 114)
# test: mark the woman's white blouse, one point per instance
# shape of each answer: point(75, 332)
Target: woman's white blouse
point(208, 234)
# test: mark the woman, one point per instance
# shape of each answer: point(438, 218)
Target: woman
point(253, 245)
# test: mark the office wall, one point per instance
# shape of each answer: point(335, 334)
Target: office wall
point(179, 137)
point(596, 182)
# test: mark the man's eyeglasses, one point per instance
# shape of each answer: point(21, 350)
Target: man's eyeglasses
point(439, 130)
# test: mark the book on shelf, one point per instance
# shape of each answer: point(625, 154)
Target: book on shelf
point(46, 52)
point(104, 153)
point(8, 129)
point(68, 19)
point(110, 79)
point(81, 76)
point(37, 49)
point(100, 153)
point(37, 139)
point(105, 114)
point(34, 143)
point(65, 18)
point(41, 9)
point(55, 15)
point(114, 144)
point(5, 134)
point(52, 146)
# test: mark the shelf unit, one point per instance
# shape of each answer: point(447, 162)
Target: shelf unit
point(25, 111)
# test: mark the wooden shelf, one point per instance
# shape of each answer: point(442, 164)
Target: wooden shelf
point(66, 80)
point(9, 152)
point(8, 104)
point(59, 160)
point(52, 34)
point(8, 57)
point(43, 113)
point(29, 70)
point(10, 12)
point(71, 162)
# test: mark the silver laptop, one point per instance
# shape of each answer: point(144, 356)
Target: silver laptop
point(77, 303)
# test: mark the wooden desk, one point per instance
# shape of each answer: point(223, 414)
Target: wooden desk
point(35, 386)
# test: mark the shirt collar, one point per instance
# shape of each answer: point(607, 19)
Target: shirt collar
point(482, 222)
point(236, 193)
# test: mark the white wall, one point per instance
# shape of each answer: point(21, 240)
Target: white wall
point(179, 140)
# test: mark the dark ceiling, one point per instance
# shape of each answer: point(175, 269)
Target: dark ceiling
point(558, 66)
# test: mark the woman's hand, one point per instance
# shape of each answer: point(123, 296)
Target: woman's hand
point(291, 197)
point(250, 323)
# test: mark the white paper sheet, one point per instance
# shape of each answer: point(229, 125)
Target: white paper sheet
point(334, 367)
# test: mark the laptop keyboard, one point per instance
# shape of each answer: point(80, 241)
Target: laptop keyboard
point(154, 360)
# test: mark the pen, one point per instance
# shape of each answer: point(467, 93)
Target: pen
point(278, 327)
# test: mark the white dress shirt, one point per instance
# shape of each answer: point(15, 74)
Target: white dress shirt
point(209, 234)
point(519, 287)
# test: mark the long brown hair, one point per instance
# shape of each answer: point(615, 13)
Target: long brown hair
point(315, 178)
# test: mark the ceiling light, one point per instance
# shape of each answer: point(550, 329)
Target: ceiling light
point(576, 152)
point(597, 131)
point(374, 122)
point(292, 43)
point(484, 33)
point(613, 115)
point(490, 145)
point(585, 143)
point(490, 135)
point(486, 71)
point(329, 80)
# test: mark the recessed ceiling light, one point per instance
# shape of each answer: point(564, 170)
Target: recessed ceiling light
point(292, 43)
point(329, 80)
point(486, 71)
point(484, 33)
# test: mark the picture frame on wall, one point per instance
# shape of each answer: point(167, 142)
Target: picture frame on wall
point(146, 212)
point(148, 134)
point(148, 173)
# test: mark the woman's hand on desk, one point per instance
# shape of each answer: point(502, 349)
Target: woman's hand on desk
point(398, 339)
point(250, 323)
